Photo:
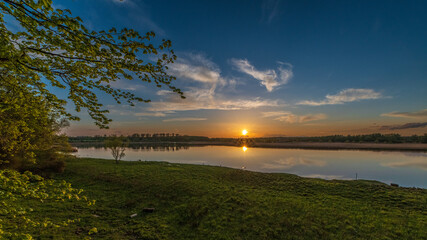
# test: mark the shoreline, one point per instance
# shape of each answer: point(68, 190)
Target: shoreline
point(345, 146)
point(421, 147)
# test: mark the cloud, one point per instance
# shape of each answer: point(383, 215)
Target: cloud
point(269, 78)
point(126, 110)
point(312, 117)
point(184, 119)
point(274, 114)
point(128, 3)
point(292, 118)
point(150, 114)
point(204, 84)
point(164, 92)
point(205, 99)
point(346, 95)
point(206, 81)
point(197, 67)
point(138, 15)
point(419, 114)
point(125, 84)
point(404, 126)
point(269, 10)
point(290, 162)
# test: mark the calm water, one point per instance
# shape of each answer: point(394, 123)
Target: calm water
point(404, 168)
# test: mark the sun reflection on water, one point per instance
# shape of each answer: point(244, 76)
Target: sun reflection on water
point(244, 148)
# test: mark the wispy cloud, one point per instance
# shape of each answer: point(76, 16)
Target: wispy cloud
point(150, 114)
point(418, 114)
point(274, 114)
point(184, 119)
point(125, 84)
point(128, 3)
point(269, 10)
point(205, 99)
point(197, 67)
point(404, 126)
point(346, 95)
point(138, 15)
point(206, 84)
point(269, 78)
point(293, 118)
point(312, 117)
point(121, 1)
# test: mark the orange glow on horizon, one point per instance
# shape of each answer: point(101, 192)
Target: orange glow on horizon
point(235, 129)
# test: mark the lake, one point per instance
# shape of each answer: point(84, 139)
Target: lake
point(407, 169)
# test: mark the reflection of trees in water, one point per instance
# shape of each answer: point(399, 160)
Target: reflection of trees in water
point(245, 141)
point(157, 147)
point(161, 148)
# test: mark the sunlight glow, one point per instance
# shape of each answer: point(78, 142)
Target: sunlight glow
point(244, 148)
point(244, 132)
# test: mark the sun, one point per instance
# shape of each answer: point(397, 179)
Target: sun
point(244, 132)
point(244, 148)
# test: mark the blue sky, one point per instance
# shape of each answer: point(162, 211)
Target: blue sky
point(288, 68)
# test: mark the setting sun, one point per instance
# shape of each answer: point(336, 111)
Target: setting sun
point(244, 132)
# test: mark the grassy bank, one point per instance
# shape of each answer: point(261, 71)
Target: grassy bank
point(204, 202)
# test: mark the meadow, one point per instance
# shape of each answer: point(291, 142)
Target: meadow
point(208, 202)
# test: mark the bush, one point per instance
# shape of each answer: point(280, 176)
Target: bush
point(17, 189)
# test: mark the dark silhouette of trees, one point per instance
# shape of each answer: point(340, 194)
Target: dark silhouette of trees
point(174, 137)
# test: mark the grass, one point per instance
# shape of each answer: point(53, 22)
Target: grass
point(207, 202)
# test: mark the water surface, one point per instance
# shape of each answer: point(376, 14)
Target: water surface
point(404, 168)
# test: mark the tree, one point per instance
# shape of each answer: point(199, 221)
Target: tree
point(117, 147)
point(18, 190)
point(55, 49)
point(28, 127)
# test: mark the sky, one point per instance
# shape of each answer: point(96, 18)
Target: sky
point(275, 68)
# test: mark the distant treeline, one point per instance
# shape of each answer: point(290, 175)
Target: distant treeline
point(151, 146)
point(172, 137)
point(143, 137)
point(369, 138)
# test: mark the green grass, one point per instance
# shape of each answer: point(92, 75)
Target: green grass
point(206, 202)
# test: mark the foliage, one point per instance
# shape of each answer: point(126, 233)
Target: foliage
point(54, 49)
point(117, 147)
point(28, 126)
point(19, 192)
point(206, 202)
